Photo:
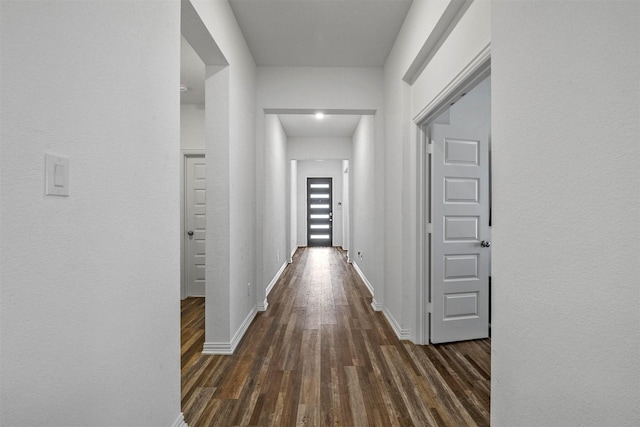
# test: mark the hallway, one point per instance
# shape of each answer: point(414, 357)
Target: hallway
point(321, 356)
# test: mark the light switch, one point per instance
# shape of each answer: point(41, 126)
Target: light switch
point(57, 175)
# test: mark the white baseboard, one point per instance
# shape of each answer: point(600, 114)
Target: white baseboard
point(263, 305)
point(402, 334)
point(179, 422)
point(228, 348)
point(276, 278)
point(364, 278)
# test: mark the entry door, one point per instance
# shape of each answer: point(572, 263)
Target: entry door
point(194, 233)
point(319, 213)
point(460, 237)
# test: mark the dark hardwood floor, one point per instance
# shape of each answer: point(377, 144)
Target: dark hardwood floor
point(320, 356)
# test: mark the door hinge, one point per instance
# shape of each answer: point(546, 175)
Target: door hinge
point(430, 148)
point(430, 228)
point(429, 307)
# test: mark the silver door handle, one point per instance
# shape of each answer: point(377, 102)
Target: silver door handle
point(485, 244)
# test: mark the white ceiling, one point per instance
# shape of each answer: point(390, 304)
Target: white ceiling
point(331, 125)
point(321, 33)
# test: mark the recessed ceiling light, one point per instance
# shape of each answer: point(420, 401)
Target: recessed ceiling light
point(183, 88)
point(319, 116)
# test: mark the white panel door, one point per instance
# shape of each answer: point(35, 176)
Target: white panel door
point(460, 239)
point(194, 233)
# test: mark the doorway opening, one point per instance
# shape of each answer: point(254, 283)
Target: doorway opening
point(194, 236)
point(459, 218)
point(192, 172)
point(455, 213)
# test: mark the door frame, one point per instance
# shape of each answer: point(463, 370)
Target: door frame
point(474, 73)
point(184, 154)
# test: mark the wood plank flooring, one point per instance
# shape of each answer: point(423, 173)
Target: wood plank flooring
point(320, 356)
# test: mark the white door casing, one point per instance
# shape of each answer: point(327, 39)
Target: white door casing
point(194, 233)
point(461, 234)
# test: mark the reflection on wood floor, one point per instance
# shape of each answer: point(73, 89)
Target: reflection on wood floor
point(321, 356)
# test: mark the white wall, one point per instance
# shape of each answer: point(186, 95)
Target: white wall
point(566, 341)
point(293, 208)
point(473, 109)
point(230, 133)
point(321, 87)
point(362, 199)
point(319, 148)
point(192, 134)
point(89, 303)
point(275, 248)
point(346, 206)
point(319, 169)
point(471, 35)
point(306, 88)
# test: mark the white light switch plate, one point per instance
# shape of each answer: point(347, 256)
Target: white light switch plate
point(57, 175)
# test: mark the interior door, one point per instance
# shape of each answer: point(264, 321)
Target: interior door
point(460, 236)
point(194, 234)
point(319, 212)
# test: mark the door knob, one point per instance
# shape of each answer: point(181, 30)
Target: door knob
point(190, 233)
point(485, 244)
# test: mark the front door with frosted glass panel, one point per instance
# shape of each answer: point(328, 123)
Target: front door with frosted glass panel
point(319, 214)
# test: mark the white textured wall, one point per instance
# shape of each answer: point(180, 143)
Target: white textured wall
point(293, 207)
point(89, 302)
point(231, 234)
point(346, 206)
point(362, 199)
point(319, 87)
point(218, 211)
point(319, 148)
point(470, 36)
point(275, 249)
point(566, 126)
point(314, 169)
point(192, 126)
